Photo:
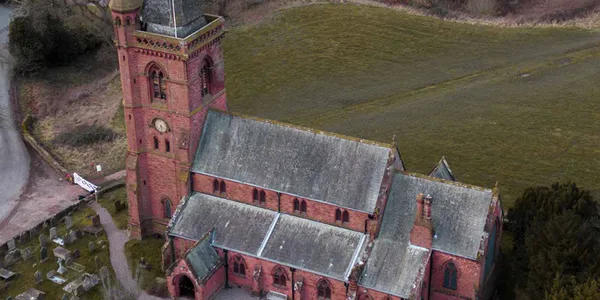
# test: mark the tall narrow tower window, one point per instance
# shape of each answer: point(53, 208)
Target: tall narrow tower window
point(206, 78)
point(155, 143)
point(158, 85)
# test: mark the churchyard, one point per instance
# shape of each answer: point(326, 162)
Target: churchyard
point(69, 257)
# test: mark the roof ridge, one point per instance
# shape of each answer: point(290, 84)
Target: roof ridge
point(449, 182)
point(304, 128)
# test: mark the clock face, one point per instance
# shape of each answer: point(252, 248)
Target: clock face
point(160, 125)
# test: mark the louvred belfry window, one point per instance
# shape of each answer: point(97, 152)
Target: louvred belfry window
point(158, 84)
point(205, 77)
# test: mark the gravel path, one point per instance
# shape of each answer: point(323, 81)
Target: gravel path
point(117, 239)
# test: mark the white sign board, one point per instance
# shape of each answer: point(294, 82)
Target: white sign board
point(88, 186)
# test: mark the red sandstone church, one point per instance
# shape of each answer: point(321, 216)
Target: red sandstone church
point(283, 211)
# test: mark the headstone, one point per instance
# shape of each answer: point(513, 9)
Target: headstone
point(43, 254)
point(76, 254)
point(38, 277)
point(69, 262)
point(97, 261)
point(43, 240)
point(53, 233)
point(72, 236)
point(69, 222)
point(87, 284)
point(91, 247)
point(65, 297)
point(96, 221)
point(66, 239)
point(26, 253)
point(78, 233)
point(11, 245)
point(24, 238)
point(104, 273)
point(10, 258)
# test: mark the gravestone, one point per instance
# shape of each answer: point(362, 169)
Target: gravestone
point(96, 221)
point(11, 258)
point(78, 233)
point(43, 254)
point(24, 238)
point(72, 236)
point(66, 238)
point(91, 247)
point(65, 297)
point(97, 261)
point(43, 240)
point(53, 233)
point(11, 245)
point(87, 284)
point(104, 273)
point(76, 254)
point(26, 254)
point(38, 277)
point(69, 222)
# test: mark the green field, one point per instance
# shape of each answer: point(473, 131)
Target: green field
point(519, 106)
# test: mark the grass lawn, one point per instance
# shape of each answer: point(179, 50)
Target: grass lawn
point(25, 269)
point(514, 105)
point(108, 199)
point(150, 250)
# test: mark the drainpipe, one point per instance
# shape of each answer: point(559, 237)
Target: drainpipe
point(172, 250)
point(430, 274)
point(293, 282)
point(279, 206)
point(226, 268)
point(346, 285)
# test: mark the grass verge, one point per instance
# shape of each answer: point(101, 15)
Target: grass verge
point(150, 250)
point(108, 201)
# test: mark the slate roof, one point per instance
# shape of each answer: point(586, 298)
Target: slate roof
point(202, 258)
point(298, 161)
point(442, 171)
point(459, 212)
point(393, 245)
point(177, 18)
point(315, 246)
point(237, 226)
point(281, 238)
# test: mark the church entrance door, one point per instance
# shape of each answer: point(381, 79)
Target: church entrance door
point(186, 287)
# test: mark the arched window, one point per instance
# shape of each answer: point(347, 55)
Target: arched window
point(155, 143)
point(365, 297)
point(223, 187)
point(128, 21)
point(254, 195)
point(206, 78)
point(118, 21)
point(450, 274)
point(279, 279)
point(338, 215)
point(345, 217)
point(167, 146)
point(215, 186)
point(323, 290)
point(239, 266)
point(296, 205)
point(167, 209)
point(158, 85)
point(263, 197)
point(303, 206)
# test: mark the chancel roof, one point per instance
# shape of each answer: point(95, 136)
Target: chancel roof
point(292, 160)
point(459, 212)
point(281, 238)
point(442, 171)
point(202, 258)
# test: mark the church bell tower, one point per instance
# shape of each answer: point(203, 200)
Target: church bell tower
point(171, 66)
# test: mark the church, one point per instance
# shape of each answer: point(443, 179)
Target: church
point(282, 211)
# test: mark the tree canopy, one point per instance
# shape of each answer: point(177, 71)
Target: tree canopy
point(556, 242)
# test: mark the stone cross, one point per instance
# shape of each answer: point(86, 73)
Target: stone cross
point(96, 221)
point(11, 245)
point(69, 222)
point(52, 232)
point(43, 254)
point(38, 277)
point(43, 240)
point(91, 247)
